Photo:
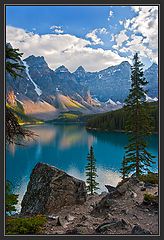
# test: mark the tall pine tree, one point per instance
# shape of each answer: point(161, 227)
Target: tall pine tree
point(91, 173)
point(138, 123)
point(123, 171)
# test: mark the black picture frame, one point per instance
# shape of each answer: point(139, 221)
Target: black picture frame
point(2, 108)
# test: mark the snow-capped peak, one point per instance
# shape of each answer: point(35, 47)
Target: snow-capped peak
point(118, 103)
point(37, 89)
point(155, 99)
point(110, 101)
point(149, 99)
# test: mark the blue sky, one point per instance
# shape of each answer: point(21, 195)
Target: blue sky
point(92, 36)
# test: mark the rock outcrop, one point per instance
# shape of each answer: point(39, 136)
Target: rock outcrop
point(50, 189)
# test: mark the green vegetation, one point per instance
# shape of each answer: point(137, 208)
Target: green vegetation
point(14, 132)
point(91, 174)
point(13, 57)
point(122, 170)
point(138, 123)
point(28, 225)
point(68, 116)
point(72, 116)
point(115, 120)
point(150, 177)
point(150, 198)
point(10, 199)
point(22, 118)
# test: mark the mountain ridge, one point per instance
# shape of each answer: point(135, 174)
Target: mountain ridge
point(60, 90)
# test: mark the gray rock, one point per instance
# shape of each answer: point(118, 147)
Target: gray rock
point(114, 223)
point(61, 222)
point(50, 189)
point(69, 218)
point(124, 211)
point(133, 194)
point(141, 184)
point(137, 230)
point(110, 188)
point(143, 188)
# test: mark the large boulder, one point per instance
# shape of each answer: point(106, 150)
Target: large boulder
point(50, 189)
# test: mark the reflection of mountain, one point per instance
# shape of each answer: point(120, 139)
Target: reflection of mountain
point(12, 148)
point(45, 133)
point(66, 147)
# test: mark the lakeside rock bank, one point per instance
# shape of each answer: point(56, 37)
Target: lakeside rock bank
point(69, 210)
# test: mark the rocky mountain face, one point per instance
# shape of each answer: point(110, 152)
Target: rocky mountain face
point(114, 82)
point(151, 75)
point(111, 83)
point(54, 91)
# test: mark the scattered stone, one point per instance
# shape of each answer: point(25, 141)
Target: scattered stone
point(69, 218)
point(84, 218)
point(60, 222)
point(135, 216)
point(133, 194)
point(146, 210)
point(114, 223)
point(124, 211)
point(141, 184)
point(137, 230)
point(148, 185)
point(143, 188)
point(50, 189)
point(52, 217)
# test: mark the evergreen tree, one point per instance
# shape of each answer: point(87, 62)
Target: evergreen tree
point(91, 174)
point(138, 123)
point(13, 58)
point(123, 168)
point(14, 131)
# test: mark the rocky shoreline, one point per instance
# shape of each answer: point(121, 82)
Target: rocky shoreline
point(70, 210)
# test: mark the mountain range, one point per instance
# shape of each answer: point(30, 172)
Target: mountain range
point(45, 93)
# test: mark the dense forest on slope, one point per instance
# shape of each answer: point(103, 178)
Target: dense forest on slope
point(115, 120)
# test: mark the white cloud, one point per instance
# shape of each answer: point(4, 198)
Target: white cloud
point(110, 14)
point(102, 30)
point(146, 23)
point(121, 22)
point(93, 35)
point(120, 39)
point(57, 29)
point(59, 49)
point(127, 23)
point(144, 28)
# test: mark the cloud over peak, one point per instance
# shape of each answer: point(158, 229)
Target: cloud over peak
point(62, 49)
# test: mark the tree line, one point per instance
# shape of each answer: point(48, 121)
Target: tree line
point(116, 120)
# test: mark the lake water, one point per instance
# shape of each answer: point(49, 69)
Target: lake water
point(66, 147)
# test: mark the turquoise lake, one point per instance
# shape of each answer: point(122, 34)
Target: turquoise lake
point(66, 147)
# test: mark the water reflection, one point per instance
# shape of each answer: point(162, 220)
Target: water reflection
point(66, 147)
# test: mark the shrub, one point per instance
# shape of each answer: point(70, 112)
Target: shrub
point(26, 225)
point(151, 200)
point(149, 178)
point(11, 199)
